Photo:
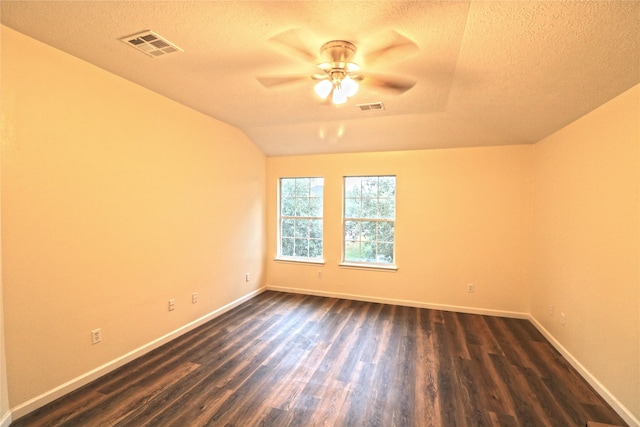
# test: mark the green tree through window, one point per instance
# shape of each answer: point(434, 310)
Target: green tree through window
point(369, 219)
point(301, 212)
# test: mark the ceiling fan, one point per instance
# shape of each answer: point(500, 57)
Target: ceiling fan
point(339, 77)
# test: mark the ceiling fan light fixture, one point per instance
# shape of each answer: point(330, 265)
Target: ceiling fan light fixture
point(323, 88)
point(339, 96)
point(351, 67)
point(337, 65)
point(350, 86)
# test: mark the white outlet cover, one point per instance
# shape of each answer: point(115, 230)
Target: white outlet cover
point(96, 336)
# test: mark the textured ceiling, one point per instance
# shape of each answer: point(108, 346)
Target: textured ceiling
point(488, 72)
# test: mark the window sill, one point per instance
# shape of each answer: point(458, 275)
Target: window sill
point(358, 266)
point(300, 260)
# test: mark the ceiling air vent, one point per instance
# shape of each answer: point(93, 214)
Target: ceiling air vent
point(151, 44)
point(371, 107)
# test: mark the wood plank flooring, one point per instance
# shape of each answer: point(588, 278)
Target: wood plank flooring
point(293, 360)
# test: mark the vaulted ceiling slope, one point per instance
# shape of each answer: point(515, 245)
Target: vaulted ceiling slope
point(486, 72)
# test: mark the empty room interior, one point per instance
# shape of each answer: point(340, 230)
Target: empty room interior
point(176, 168)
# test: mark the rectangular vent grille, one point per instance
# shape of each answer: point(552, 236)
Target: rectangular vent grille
point(151, 44)
point(371, 107)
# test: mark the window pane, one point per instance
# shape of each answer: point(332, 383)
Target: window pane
point(352, 187)
point(368, 230)
point(316, 187)
point(287, 187)
point(301, 228)
point(370, 186)
point(302, 247)
point(352, 251)
point(302, 207)
point(315, 248)
point(369, 251)
point(287, 246)
point(385, 253)
point(315, 229)
point(385, 231)
point(352, 208)
point(302, 187)
point(386, 208)
point(315, 207)
point(387, 186)
point(352, 230)
point(288, 207)
point(287, 228)
point(369, 208)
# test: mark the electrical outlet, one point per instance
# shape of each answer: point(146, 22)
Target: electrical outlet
point(471, 288)
point(319, 274)
point(563, 319)
point(551, 309)
point(247, 277)
point(172, 304)
point(194, 298)
point(96, 336)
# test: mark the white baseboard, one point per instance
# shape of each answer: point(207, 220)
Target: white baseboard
point(57, 392)
point(6, 419)
point(622, 410)
point(406, 303)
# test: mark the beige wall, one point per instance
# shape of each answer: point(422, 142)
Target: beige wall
point(464, 216)
point(587, 245)
point(4, 393)
point(115, 200)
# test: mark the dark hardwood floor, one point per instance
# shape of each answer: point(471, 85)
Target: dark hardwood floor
point(294, 360)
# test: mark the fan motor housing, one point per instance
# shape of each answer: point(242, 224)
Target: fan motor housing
point(338, 51)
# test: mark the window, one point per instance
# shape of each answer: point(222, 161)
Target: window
point(369, 219)
point(300, 222)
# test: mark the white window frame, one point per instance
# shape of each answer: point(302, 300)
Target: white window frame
point(345, 219)
point(294, 217)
